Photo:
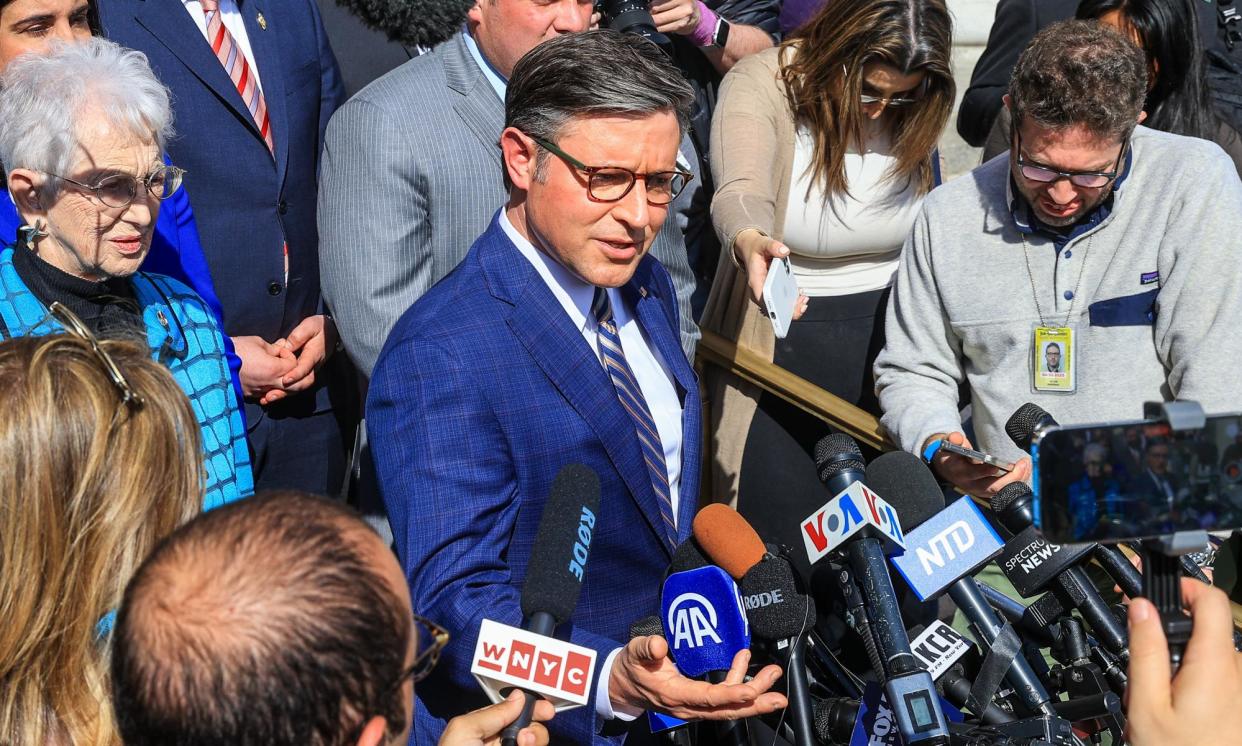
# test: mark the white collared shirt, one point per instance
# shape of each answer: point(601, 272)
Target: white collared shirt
point(231, 17)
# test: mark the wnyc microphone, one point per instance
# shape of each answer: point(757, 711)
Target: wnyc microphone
point(557, 564)
point(706, 627)
point(779, 612)
point(944, 548)
point(861, 524)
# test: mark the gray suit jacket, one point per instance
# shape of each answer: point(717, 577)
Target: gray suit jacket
point(411, 175)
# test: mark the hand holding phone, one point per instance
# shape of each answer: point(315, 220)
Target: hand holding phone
point(980, 456)
point(971, 473)
point(780, 296)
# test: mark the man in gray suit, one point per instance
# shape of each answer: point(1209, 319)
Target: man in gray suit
point(412, 175)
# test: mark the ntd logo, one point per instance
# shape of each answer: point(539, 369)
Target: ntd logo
point(856, 509)
point(945, 546)
point(507, 656)
point(692, 619)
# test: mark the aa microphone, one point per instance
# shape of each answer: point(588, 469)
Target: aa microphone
point(706, 627)
point(422, 23)
point(1013, 507)
point(862, 524)
point(779, 612)
point(557, 563)
point(944, 548)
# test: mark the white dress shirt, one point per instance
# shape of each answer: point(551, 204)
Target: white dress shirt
point(231, 17)
point(650, 370)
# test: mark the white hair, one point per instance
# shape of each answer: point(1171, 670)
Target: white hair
point(42, 98)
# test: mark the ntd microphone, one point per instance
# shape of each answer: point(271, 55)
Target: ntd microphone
point(950, 545)
point(855, 511)
point(704, 623)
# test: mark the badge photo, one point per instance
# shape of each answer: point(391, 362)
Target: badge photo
point(1054, 359)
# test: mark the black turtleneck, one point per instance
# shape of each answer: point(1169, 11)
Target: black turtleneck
point(108, 308)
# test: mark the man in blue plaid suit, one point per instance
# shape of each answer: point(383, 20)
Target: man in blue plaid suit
point(555, 342)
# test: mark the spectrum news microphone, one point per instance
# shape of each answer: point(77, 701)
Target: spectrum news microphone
point(860, 524)
point(557, 564)
point(944, 548)
point(779, 612)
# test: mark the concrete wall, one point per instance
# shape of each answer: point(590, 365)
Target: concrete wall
point(972, 19)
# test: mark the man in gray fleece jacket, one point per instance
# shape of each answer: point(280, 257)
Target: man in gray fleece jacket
point(1126, 237)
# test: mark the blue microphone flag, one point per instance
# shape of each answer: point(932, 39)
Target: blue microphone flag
point(946, 547)
point(703, 619)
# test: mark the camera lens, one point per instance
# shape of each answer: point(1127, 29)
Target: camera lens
point(633, 17)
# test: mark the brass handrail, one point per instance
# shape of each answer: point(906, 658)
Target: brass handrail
point(860, 425)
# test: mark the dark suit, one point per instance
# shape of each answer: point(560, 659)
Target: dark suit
point(250, 203)
point(484, 390)
point(1017, 22)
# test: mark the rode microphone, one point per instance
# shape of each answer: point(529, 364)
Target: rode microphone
point(862, 525)
point(1055, 565)
point(423, 23)
point(557, 563)
point(779, 612)
point(705, 625)
point(944, 549)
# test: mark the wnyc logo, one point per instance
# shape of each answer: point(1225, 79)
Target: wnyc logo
point(506, 656)
point(856, 509)
point(950, 545)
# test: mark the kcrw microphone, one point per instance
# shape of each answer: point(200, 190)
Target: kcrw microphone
point(557, 563)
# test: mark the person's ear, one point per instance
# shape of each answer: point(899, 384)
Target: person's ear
point(521, 155)
point(374, 732)
point(1142, 117)
point(26, 185)
point(474, 16)
point(1005, 101)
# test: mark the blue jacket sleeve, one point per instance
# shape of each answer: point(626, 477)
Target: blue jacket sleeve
point(448, 482)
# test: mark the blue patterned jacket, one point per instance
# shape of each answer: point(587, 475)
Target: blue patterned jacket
point(183, 335)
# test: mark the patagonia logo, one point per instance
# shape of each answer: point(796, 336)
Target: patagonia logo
point(1148, 278)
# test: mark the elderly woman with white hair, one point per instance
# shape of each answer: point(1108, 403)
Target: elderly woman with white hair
point(81, 133)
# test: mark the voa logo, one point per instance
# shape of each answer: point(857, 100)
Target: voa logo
point(692, 618)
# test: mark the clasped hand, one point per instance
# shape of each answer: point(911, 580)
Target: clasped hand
point(272, 371)
point(644, 677)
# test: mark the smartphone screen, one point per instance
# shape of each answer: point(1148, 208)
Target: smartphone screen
point(1138, 480)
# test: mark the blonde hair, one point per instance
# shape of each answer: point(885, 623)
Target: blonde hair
point(89, 485)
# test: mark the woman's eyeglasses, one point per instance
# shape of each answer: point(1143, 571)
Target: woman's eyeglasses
point(74, 326)
point(120, 190)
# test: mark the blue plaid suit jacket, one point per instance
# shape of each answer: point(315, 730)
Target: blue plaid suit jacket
point(483, 391)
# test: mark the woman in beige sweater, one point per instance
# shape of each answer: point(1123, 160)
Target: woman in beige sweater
point(822, 150)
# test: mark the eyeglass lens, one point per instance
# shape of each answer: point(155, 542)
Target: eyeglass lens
point(1090, 181)
point(611, 184)
point(119, 190)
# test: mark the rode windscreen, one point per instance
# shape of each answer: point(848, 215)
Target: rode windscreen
point(562, 545)
point(423, 23)
point(701, 611)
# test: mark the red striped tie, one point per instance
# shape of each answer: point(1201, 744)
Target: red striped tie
point(230, 55)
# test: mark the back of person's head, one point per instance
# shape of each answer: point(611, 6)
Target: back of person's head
point(593, 73)
point(89, 485)
point(263, 622)
point(1179, 100)
point(1079, 74)
point(823, 78)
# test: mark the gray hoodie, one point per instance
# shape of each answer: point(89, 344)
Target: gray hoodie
point(1157, 312)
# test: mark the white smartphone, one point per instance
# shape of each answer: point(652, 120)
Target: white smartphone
point(986, 458)
point(780, 295)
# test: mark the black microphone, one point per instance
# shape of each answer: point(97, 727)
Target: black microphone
point(1013, 507)
point(909, 688)
point(778, 611)
point(557, 564)
point(422, 23)
point(910, 487)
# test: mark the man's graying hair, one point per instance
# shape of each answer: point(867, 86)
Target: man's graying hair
point(1080, 73)
point(594, 73)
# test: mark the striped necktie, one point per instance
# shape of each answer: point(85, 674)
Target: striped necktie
point(631, 398)
point(230, 55)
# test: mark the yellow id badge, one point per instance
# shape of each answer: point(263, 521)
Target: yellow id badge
point(1054, 359)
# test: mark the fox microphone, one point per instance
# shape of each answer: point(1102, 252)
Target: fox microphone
point(557, 563)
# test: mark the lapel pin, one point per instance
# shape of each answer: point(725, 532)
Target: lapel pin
point(262, 22)
point(642, 291)
point(159, 314)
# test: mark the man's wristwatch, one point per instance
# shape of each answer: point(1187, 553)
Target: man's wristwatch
point(720, 36)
